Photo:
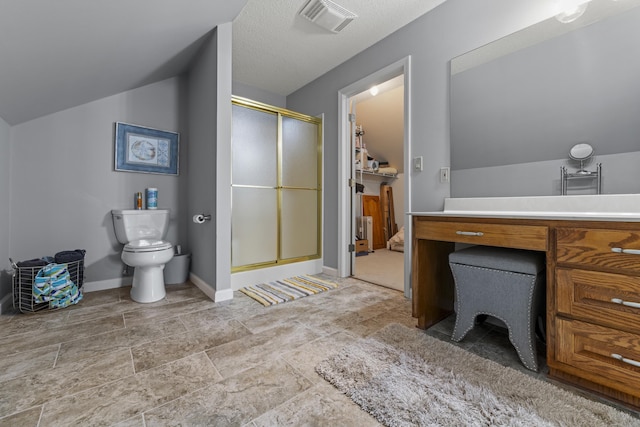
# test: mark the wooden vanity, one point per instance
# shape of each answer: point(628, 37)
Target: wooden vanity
point(593, 289)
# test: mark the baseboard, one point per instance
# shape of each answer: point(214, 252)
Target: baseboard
point(101, 285)
point(6, 303)
point(224, 295)
point(330, 271)
point(203, 286)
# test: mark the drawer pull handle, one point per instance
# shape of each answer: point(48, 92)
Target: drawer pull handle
point(625, 360)
point(471, 233)
point(627, 303)
point(626, 251)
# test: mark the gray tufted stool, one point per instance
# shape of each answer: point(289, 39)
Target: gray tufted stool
point(505, 283)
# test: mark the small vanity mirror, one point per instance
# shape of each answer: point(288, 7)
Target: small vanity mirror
point(581, 152)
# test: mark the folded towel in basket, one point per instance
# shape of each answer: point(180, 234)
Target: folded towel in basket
point(69, 256)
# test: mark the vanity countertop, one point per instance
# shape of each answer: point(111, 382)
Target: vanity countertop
point(606, 207)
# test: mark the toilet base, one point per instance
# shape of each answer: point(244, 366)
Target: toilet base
point(148, 284)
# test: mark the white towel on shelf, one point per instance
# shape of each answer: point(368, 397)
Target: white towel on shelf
point(387, 170)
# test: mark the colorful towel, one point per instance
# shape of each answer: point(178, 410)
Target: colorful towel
point(54, 285)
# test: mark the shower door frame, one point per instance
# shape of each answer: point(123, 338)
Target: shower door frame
point(318, 122)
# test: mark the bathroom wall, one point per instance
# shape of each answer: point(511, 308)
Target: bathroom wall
point(454, 27)
point(209, 174)
point(5, 216)
point(65, 186)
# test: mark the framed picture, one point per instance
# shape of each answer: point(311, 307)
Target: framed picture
point(146, 150)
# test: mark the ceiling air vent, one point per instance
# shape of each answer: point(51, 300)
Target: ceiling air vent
point(327, 14)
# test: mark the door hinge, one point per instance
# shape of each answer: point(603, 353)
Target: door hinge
point(352, 182)
point(352, 118)
point(352, 247)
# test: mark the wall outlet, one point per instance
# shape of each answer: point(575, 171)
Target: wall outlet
point(444, 175)
point(417, 164)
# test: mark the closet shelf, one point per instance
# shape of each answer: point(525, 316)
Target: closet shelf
point(388, 175)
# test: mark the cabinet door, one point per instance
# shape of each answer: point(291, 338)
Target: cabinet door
point(602, 355)
point(604, 298)
point(610, 249)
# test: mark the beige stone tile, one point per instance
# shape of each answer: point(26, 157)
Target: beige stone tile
point(254, 350)
point(27, 322)
point(279, 315)
point(126, 398)
point(207, 318)
point(374, 324)
point(93, 299)
point(72, 331)
point(84, 314)
point(149, 313)
point(27, 362)
point(155, 353)
point(137, 421)
point(42, 386)
point(72, 351)
point(183, 292)
point(321, 405)
point(305, 358)
point(234, 401)
point(23, 419)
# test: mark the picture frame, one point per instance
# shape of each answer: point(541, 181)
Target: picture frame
point(146, 150)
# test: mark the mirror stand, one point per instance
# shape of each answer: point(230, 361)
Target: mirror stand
point(565, 177)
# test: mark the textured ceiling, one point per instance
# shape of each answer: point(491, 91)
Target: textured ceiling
point(278, 51)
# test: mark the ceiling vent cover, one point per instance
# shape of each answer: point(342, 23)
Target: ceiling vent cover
point(327, 14)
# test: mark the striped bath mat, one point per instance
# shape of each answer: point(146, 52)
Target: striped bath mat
point(272, 293)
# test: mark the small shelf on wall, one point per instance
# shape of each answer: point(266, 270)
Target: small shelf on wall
point(381, 174)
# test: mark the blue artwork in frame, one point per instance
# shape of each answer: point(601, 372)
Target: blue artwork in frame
point(147, 150)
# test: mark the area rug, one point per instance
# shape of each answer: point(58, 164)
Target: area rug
point(293, 288)
point(405, 378)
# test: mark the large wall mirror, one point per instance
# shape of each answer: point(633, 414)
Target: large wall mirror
point(520, 104)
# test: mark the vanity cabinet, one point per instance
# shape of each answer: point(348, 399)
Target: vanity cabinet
point(593, 290)
point(597, 309)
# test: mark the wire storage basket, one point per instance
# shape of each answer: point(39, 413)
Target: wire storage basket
point(51, 287)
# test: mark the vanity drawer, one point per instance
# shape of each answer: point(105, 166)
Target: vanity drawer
point(531, 237)
point(604, 356)
point(614, 249)
point(605, 298)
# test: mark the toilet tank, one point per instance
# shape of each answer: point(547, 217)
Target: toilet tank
point(132, 225)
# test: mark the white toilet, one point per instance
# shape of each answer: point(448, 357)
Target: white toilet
point(141, 231)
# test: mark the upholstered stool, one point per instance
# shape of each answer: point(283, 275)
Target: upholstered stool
point(508, 284)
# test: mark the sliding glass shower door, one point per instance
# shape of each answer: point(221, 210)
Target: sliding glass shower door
point(276, 186)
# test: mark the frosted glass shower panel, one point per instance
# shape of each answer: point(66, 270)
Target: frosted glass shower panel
point(254, 231)
point(299, 223)
point(300, 153)
point(254, 152)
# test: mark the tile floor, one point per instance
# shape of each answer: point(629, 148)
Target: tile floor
point(189, 361)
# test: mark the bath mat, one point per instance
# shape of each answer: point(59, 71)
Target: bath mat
point(405, 378)
point(271, 293)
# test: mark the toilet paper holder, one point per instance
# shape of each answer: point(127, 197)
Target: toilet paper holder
point(200, 218)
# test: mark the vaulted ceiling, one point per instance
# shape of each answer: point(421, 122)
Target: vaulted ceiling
point(59, 54)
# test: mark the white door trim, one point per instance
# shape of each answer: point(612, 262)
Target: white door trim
point(345, 237)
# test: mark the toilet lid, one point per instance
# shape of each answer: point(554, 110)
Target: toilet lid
point(147, 246)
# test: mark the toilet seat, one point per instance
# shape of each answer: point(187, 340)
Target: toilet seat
point(139, 246)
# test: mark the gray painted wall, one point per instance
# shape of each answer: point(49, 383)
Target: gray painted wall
point(250, 92)
point(202, 158)
point(449, 30)
point(5, 212)
point(64, 183)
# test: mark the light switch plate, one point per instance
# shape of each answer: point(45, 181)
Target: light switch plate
point(417, 164)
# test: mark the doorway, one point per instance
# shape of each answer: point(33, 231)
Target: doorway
point(378, 152)
point(347, 229)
